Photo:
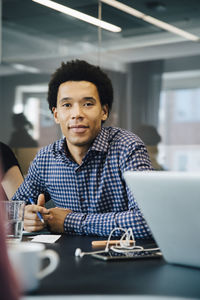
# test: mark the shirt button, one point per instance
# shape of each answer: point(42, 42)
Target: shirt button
point(82, 199)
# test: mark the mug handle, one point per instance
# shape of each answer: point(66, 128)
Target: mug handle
point(53, 263)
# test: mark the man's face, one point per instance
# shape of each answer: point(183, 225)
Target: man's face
point(79, 112)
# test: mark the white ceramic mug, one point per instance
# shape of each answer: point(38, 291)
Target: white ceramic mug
point(26, 259)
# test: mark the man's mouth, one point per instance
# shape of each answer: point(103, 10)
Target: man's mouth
point(78, 128)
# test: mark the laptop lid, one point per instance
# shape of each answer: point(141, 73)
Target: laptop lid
point(170, 203)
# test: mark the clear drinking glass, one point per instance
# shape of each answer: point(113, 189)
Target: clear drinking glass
point(14, 219)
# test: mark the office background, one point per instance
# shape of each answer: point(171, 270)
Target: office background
point(155, 73)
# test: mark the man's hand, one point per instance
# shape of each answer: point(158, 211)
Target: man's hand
point(31, 220)
point(58, 215)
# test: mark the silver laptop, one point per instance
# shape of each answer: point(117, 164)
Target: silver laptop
point(170, 203)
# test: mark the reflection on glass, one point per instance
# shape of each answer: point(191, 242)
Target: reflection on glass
point(20, 136)
point(31, 100)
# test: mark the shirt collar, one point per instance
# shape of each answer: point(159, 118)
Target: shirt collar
point(62, 145)
point(101, 142)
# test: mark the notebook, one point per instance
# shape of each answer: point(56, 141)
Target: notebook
point(170, 203)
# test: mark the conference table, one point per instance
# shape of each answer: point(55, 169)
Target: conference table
point(90, 276)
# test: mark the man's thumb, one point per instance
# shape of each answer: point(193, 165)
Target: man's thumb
point(41, 200)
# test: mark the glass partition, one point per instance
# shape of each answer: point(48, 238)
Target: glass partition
point(36, 39)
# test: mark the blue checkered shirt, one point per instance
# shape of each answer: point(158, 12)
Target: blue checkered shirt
point(95, 191)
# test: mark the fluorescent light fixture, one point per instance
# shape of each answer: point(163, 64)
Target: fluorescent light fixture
point(24, 68)
point(151, 20)
point(79, 15)
point(171, 28)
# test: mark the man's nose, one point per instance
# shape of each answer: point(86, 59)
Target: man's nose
point(77, 112)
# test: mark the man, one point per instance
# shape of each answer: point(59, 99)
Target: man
point(83, 172)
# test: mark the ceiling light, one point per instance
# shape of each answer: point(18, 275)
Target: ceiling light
point(79, 15)
point(151, 20)
point(24, 68)
point(171, 28)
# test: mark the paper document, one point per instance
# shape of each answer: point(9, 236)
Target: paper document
point(43, 238)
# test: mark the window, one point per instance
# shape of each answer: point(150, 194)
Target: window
point(31, 101)
point(179, 126)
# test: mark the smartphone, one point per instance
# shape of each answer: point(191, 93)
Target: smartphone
point(112, 255)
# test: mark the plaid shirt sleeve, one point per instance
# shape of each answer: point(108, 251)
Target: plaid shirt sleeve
point(102, 224)
point(32, 185)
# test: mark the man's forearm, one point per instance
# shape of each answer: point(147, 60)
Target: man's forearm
point(102, 224)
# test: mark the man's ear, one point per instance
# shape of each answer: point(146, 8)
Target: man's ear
point(55, 114)
point(104, 112)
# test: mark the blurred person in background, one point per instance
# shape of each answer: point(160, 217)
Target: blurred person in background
point(10, 174)
point(20, 137)
point(150, 136)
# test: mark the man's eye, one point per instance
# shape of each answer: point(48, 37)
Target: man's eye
point(66, 104)
point(88, 104)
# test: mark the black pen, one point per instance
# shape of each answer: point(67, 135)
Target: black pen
point(38, 213)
